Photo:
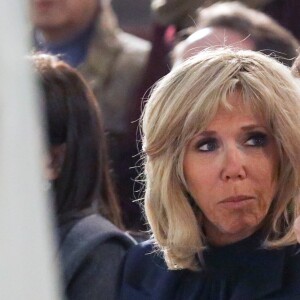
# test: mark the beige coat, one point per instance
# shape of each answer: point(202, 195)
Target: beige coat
point(114, 68)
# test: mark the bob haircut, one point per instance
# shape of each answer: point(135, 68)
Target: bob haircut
point(181, 105)
point(73, 118)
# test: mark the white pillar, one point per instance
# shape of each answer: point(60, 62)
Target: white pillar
point(27, 262)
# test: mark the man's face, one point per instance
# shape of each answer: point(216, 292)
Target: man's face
point(56, 14)
point(211, 37)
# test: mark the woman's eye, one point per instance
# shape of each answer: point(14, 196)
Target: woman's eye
point(257, 140)
point(207, 145)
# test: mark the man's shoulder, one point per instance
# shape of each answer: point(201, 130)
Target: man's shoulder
point(133, 43)
point(134, 54)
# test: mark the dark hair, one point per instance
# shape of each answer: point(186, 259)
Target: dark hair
point(74, 119)
point(268, 36)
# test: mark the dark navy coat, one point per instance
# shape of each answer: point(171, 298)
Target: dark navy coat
point(273, 274)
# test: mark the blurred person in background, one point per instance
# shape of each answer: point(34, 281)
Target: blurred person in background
point(234, 24)
point(91, 246)
point(85, 33)
point(181, 13)
point(170, 17)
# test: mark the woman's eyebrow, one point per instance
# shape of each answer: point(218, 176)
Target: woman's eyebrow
point(207, 133)
point(252, 127)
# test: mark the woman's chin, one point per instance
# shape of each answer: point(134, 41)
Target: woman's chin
point(230, 233)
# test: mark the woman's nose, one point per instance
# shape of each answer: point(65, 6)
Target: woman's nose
point(233, 167)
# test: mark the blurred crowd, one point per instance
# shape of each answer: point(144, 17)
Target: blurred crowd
point(117, 61)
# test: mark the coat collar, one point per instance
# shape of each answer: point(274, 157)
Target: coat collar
point(262, 277)
point(102, 54)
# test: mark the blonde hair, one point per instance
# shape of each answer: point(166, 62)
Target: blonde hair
point(181, 105)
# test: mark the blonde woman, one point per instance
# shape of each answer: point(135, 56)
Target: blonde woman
point(222, 167)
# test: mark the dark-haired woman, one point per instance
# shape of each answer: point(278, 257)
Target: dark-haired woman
point(91, 248)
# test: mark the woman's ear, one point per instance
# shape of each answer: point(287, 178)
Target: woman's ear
point(55, 161)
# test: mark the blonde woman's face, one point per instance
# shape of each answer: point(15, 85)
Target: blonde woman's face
point(230, 169)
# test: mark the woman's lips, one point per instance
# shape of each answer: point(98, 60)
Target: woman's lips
point(237, 201)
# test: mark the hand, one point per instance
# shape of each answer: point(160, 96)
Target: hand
point(297, 228)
